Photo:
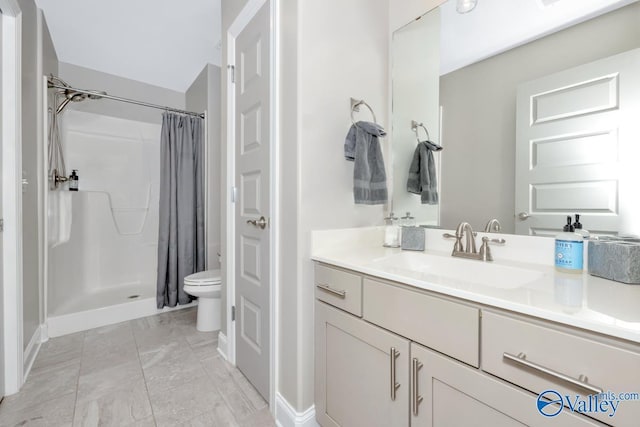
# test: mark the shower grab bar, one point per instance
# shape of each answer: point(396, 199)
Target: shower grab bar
point(113, 210)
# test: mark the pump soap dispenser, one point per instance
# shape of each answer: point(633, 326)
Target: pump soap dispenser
point(579, 230)
point(569, 250)
point(391, 232)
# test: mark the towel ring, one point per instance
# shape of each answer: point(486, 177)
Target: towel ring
point(355, 106)
point(414, 127)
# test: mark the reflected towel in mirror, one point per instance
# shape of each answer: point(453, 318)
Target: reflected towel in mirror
point(422, 173)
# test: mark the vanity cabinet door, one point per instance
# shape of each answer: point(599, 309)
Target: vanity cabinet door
point(354, 370)
point(455, 395)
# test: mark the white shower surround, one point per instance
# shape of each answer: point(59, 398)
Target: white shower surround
point(111, 254)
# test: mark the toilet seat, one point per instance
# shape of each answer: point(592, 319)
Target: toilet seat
point(204, 278)
point(207, 287)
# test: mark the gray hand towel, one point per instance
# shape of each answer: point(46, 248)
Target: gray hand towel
point(362, 146)
point(422, 173)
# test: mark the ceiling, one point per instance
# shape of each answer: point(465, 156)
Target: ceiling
point(495, 26)
point(165, 43)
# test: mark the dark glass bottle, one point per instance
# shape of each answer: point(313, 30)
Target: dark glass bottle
point(73, 181)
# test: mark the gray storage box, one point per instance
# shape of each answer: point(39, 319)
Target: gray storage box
point(617, 260)
point(413, 238)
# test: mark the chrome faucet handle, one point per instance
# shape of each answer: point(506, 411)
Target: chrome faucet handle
point(485, 250)
point(497, 241)
point(453, 236)
point(457, 246)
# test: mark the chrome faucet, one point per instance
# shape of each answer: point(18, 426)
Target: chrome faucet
point(492, 226)
point(469, 251)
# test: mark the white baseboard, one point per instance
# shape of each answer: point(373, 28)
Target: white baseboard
point(31, 352)
point(44, 333)
point(222, 345)
point(286, 416)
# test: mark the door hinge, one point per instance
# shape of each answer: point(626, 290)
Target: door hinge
point(233, 313)
point(1, 225)
point(234, 194)
point(232, 72)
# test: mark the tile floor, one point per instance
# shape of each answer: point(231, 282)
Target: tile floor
point(155, 371)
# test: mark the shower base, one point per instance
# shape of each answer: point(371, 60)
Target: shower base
point(105, 307)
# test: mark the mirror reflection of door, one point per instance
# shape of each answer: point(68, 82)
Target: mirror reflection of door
point(575, 143)
point(482, 57)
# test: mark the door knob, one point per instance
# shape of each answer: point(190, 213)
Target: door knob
point(523, 216)
point(260, 223)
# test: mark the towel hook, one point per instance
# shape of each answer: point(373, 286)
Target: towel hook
point(355, 107)
point(414, 127)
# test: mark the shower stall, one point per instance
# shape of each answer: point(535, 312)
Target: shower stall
point(102, 239)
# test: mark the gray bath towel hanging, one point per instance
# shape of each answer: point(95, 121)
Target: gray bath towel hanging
point(362, 146)
point(422, 173)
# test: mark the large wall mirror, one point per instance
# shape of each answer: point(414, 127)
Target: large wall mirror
point(536, 104)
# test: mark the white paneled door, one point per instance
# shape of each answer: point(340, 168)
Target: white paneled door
point(253, 200)
point(577, 147)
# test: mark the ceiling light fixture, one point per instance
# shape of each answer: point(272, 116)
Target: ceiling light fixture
point(465, 6)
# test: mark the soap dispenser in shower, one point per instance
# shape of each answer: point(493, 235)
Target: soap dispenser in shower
point(73, 180)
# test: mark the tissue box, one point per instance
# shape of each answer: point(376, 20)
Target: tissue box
point(413, 238)
point(615, 260)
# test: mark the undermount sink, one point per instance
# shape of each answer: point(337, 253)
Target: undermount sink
point(459, 270)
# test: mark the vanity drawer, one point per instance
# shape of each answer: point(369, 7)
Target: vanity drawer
point(339, 288)
point(606, 366)
point(445, 326)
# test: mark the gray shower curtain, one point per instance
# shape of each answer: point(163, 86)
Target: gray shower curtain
point(181, 233)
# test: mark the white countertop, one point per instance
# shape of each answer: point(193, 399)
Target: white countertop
point(578, 300)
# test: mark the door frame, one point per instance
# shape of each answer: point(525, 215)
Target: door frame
point(250, 9)
point(12, 194)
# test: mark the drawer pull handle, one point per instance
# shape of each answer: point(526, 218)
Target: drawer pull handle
point(393, 355)
point(582, 382)
point(414, 377)
point(336, 292)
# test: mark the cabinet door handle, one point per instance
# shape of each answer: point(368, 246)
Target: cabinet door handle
point(393, 355)
point(337, 292)
point(582, 381)
point(416, 365)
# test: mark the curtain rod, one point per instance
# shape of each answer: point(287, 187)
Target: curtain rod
point(118, 98)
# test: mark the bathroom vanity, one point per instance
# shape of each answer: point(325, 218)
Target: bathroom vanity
point(426, 340)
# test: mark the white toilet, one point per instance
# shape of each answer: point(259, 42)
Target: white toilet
point(206, 285)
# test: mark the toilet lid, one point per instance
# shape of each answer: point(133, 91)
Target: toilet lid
point(207, 277)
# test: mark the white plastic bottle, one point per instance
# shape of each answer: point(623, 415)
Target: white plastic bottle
point(569, 250)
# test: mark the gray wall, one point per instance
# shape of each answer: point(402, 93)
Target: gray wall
point(31, 123)
point(479, 114)
point(49, 56)
point(49, 66)
point(315, 180)
point(204, 94)
point(86, 78)
point(38, 58)
point(359, 68)
point(2, 346)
